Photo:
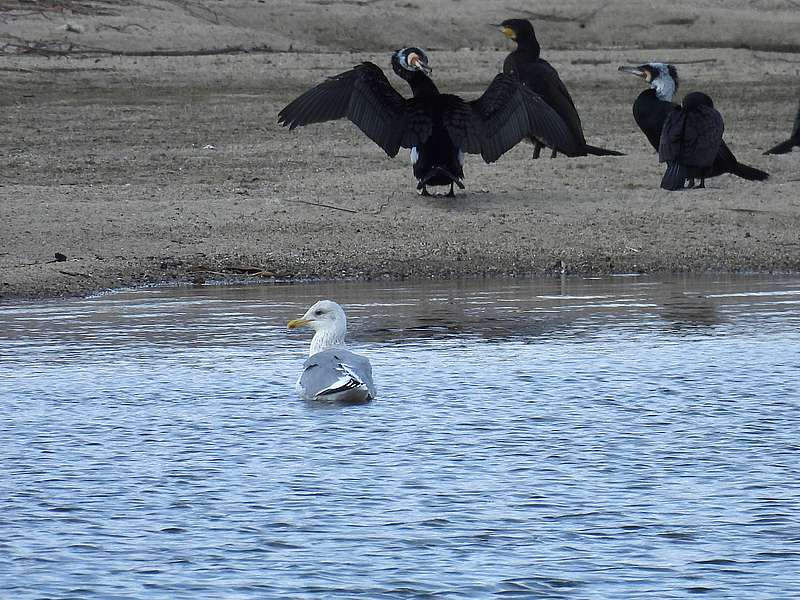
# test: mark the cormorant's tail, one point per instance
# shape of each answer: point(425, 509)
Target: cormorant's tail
point(597, 151)
point(438, 171)
point(748, 172)
point(794, 139)
point(675, 177)
point(784, 147)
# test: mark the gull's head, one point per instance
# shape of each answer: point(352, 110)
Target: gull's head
point(327, 320)
point(662, 77)
point(407, 60)
point(324, 315)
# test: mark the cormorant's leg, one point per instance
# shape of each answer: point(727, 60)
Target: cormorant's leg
point(690, 184)
point(553, 155)
point(537, 150)
point(702, 182)
point(424, 191)
point(451, 193)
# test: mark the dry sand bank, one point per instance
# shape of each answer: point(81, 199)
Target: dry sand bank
point(163, 168)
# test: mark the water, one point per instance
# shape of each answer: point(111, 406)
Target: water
point(611, 438)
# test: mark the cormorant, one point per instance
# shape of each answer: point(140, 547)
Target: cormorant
point(539, 75)
point(690, 141)
point(652, 106)
point(438, 128)
point(793, 141)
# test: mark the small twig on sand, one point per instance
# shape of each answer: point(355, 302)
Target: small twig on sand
point(120, 28)
point(17, 45)
point(321, 205)
point(682, 62)
point(71, 274)
point(775, 58)
point(384, 205)
point(745, 210)
point(377, 211)
point(248, 271)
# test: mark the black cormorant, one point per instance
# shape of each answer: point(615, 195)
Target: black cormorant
point(540, 76)
point(690, 141)
point(793, 141)
point(438, 128)
point(652, 106)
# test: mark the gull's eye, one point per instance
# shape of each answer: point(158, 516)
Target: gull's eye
point(318, 312)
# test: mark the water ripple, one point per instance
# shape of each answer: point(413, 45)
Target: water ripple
point(602, 438)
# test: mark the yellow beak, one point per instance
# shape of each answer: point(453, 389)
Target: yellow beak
point(295, 323)
point(508, 32)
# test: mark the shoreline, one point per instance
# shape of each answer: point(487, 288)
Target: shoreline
point(190, 281)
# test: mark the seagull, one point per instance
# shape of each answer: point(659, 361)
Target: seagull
point(331, 372)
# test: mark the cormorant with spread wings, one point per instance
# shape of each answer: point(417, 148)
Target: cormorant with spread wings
point(438, 128)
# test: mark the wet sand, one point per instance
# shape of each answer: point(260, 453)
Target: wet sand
point(147, 169)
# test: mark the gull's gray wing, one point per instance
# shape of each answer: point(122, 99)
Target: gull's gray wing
point(338, 375)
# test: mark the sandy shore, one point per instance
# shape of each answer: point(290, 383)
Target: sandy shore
point(144, 169)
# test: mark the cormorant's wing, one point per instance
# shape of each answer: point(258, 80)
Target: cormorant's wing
point(363, 95)
point(670, 144)
point(705, 137)
point(691, 137)
point(650, 115)
point(509, 112)
point(462, 124)
point(541, 77)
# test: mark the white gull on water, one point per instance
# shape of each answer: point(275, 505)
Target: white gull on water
point(332, 372)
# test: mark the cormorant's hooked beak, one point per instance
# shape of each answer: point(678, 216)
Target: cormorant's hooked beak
point(295, 323)
point(416, 61)
point(633, 71)
point(506, 31)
